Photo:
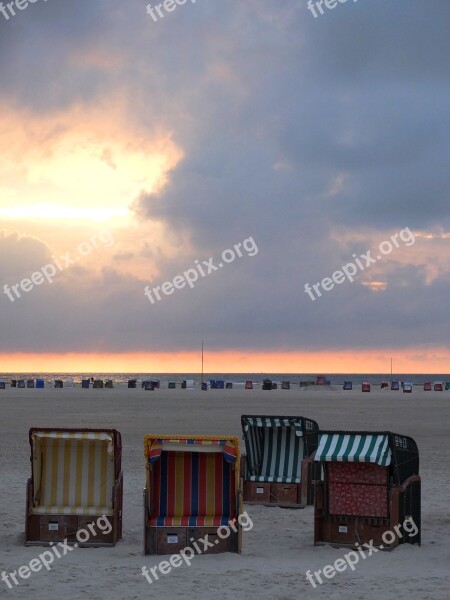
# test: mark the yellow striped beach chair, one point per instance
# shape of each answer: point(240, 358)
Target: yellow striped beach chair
point(76, 479)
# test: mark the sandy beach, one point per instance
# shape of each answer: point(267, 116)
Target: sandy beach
point(279, 549)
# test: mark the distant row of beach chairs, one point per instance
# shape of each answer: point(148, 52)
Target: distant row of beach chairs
point(219, 384)
point(437, 386)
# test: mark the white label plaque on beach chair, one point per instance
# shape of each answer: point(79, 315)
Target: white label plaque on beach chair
point(172, 539)
point(343, 529)
point(53, 526)
point(260, 490)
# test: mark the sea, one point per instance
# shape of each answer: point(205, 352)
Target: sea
point(237, 378)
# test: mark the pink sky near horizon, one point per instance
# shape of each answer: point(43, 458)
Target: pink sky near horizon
point(378, 361)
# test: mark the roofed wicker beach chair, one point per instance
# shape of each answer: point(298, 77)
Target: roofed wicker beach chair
point(192, 489)
point(277, 468)
point(438, 386)
point(171, 385)
point(384, 385)
point(2, 384)
point(365, 387)
point(267, 384)
point(447, 385)
point(348, 385)
point(427, 386)
point(132, 383)
point(85, 383)
point(285, 385)
point(69, 382)
point(98, 384)
point(395, 386)
point(58, 383)
point(109, 384)
point(21, 383)
point(248, 384)
point(229, 385)
point(407, 388)
point(76, 479)
point(369, 485)
point(40, 384)
point(30, 383)
point(13, 382)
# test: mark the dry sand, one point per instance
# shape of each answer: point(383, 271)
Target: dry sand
point(279, 549)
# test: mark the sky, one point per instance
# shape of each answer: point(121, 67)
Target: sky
point(133, 151)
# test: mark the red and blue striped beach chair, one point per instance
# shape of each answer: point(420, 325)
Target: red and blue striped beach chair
point(192, 491)
point(278, 468)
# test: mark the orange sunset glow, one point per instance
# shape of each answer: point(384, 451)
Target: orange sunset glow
point(378, 361)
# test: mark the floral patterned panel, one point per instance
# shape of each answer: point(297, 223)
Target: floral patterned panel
point(351, 472)
point(358, 500)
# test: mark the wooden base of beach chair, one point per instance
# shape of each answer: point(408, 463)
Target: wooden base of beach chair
point(284, 495)
point(171, 540)
point(46, 530)
point(346, 532)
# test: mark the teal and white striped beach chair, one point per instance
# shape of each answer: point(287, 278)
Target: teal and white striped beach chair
point(277, 468)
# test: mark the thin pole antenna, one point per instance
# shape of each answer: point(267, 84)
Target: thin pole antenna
point(201, 384)
point(391, 366)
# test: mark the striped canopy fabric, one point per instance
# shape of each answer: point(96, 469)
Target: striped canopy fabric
point(274, 448)
point(192, 489)
point(191, 480)
point(73, 473)
point(156, 446)
point(364, 448)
